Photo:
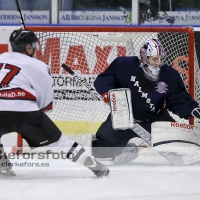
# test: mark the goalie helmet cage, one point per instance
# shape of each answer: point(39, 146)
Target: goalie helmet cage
point(89, 50)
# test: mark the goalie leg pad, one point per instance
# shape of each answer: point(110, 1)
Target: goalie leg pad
point(121, 108)
point(128, 154)
point(175, 137)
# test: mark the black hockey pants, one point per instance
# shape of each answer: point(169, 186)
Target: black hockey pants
point(35, 127)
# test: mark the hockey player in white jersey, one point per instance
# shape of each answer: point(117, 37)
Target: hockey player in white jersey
point(26, 93)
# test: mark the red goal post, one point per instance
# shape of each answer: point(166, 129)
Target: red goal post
point(88, 50)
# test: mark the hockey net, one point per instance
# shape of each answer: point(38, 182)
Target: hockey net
point(89, 50)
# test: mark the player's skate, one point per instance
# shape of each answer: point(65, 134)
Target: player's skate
point(5, 165)
point(99, 169)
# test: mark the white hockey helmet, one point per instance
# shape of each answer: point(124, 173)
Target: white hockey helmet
point(151, 48)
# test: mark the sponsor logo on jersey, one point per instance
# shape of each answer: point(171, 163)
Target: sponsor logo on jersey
point(184, 126)
point(12, 94)
point(16, 93)
point(161, 87)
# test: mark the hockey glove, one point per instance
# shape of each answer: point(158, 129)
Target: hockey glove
point(196, 114)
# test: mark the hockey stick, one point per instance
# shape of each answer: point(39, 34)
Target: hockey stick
point(77, 78)
point(173, 158)
point(20, 15)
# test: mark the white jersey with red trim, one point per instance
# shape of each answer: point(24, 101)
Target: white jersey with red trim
point(25, 83)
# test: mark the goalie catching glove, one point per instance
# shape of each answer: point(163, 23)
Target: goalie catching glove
point(175, 137)
point(196, 114)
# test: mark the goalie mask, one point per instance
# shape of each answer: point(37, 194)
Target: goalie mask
point(19, 39)
point(151, 56)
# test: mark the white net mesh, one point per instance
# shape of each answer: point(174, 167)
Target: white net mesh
point(76, 111)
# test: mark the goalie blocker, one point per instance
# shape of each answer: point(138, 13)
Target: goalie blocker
point(121, 109)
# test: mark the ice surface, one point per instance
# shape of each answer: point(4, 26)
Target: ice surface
point(148, 177)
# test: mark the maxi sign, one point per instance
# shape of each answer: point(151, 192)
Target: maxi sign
point(79, 57)
point(88, 63)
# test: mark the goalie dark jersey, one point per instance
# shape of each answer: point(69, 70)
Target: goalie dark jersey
point(148, 97)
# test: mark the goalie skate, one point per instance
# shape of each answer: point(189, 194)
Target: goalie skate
point(127, 155)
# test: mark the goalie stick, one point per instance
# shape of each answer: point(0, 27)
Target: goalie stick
point(173, 158)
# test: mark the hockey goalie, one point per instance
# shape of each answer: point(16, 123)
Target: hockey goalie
point(144, 88)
